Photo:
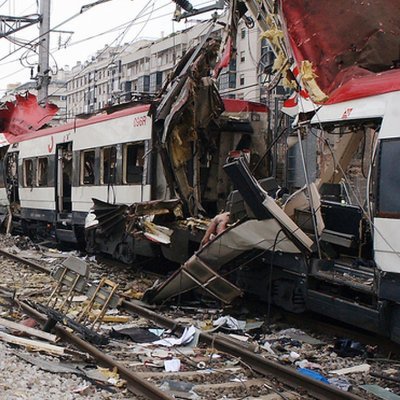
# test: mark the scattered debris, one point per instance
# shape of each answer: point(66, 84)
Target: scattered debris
point(186, 338)
point(19, 328)
point(138, 335)
point(33, 345)
point(313, 374)
point(380, 392)
point(352, 370)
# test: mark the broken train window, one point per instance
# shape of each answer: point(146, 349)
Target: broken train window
point(28, 173)
point(87, 167)
point(133, 162)
point(108, 164)
point(42, 171)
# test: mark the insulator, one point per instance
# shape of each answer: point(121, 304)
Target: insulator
point(186, 5)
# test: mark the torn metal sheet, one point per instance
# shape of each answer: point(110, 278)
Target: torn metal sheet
point(157, 233)
point(106, 217)
point(264, 206)
point(182, 117)
point(23, 116)
point(157, 207)
point(264, 235)
point(318, 32)
point(272, 231)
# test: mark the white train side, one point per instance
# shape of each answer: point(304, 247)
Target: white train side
point(49, 177)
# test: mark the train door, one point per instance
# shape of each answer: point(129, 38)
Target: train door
point(64, 180)
point(11, 173)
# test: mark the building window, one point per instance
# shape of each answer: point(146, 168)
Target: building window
point(42, 171)
point(242, 56)
point(28, 173)
point(108, 164)
point(227, 81)
point(243, 33)
point(241, 79)
point(87, 167)
point(133, 162)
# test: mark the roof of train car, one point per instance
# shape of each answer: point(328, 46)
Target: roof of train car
point(231, 106)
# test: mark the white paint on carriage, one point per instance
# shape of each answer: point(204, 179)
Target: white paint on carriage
point(126, 129)
point(41, 198)
point(118, 194)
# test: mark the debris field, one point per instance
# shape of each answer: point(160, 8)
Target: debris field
point(36, 364)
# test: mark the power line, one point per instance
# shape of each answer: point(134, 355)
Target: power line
point(119, 37)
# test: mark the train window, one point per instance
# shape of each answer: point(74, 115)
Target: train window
point(133, 162)
point(388, 191)
point(87, 167)
point(108, 164)
point(42, 172)
point(28, 173)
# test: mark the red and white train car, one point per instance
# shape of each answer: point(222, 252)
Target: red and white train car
point(49, 177)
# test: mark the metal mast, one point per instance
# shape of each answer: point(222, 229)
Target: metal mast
point(43, 77)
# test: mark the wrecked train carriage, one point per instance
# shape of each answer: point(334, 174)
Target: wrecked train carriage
point(50, 177)
point(319, 251)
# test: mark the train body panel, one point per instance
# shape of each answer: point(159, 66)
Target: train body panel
point(119, 194)
point(125, 129)
point(41, 198)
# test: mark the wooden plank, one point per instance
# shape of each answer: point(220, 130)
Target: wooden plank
point(32, 344)
point(26, 329)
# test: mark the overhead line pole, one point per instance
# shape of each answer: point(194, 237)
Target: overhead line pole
point(43, 77)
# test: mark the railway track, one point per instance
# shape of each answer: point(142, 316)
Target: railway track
point(242, 373)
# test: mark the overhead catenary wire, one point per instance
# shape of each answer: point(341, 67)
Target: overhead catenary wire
point(121, 26)
point(24, 58)
point(119, 37)
point(118, 27)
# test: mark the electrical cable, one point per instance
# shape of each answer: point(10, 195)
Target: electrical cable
point(119, 37)
point(137, 21)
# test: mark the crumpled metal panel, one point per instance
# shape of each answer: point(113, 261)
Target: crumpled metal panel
point(264, 235)
point(343, 39)
point(195, 273)
point(24, 115)
point(190, 104)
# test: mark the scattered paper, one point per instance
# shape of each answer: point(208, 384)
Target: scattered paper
point(230, 322)
point(173, 365)
point(187, 337)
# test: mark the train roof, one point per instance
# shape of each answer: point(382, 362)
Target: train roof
point(231, 106)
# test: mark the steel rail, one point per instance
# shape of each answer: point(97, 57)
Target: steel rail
point(266, 367)
point(286, 375)
point(33, 264)
point(136, 384)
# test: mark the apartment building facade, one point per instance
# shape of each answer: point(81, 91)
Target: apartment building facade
point(123, 73)
point(139, 70)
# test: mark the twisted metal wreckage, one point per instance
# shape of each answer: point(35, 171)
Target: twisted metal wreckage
point(326, 64)
point(348, 90)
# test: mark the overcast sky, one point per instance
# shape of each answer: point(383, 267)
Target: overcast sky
point(124, 20)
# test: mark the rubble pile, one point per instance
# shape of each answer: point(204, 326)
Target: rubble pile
point(39, 366)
